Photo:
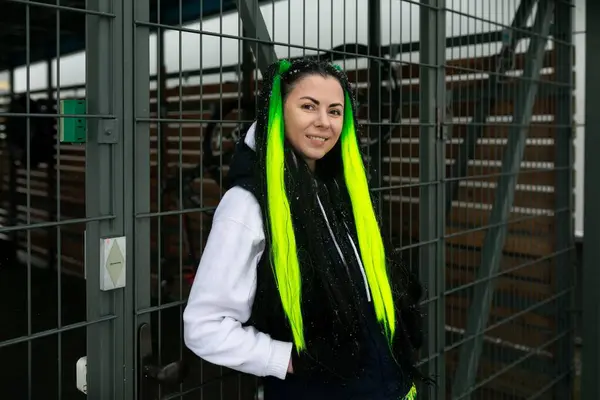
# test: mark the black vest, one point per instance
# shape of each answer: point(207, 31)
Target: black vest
point(350, 364)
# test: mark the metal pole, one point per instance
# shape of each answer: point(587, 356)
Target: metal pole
point(162, 143)
point(590, 356)
point(137, 147)
point(12, 179)
point(104, 197)
point(247, 81)
point(374, 128)
point(136, 56)
point(432, 95)
point(564, 196)
point(51, 177)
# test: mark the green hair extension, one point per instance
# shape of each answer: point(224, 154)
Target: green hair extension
point(412, 393)
point(367, 228)
point(284, 260)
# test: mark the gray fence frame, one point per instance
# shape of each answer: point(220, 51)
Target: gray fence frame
point(118, 179)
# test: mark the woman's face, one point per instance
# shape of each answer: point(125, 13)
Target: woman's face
point(313, 116)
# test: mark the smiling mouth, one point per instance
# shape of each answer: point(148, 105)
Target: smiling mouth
point(322, 139)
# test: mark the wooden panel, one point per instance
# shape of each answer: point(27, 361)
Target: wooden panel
point(537, 130)
point(407, 71)
point(523, 286)
point(523, 198)
point(516, 382)
point(516, 331)
point(534, 269)
point(400, 215)
point(494, 132)
point(527, 175)
point(410, 109)
point(520, 244)
point(491, 152)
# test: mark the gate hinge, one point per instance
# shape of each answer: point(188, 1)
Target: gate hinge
point(109, 132)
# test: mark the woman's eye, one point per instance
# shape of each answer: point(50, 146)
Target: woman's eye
point(336, 112)
point(308, 107)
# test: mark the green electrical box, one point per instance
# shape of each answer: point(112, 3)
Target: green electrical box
point(72, 129)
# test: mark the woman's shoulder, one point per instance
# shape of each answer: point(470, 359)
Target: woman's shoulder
point(240, 205)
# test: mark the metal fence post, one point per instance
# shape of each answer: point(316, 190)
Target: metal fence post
point(374, 93)
point(12, 179)
point(432, 87)
point(135, 69)
point(136, 119)
point(563, 32)
point(103, 198)
point(590, 356)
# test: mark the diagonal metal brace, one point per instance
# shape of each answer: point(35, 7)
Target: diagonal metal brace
point(503, 200)
point(482, 110)
point(256, 28)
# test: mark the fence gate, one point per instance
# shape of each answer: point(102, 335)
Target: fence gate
point(69, 205)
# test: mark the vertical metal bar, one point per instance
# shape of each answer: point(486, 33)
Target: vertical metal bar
point(503, 201)
point(590, 356)
point(477, 126)
point(51, 178)
point(432, 88)
point(162, 143)
point(28, 195)
point(141, 276)
point(247, 100)
point(440, 243)
point(256, 28)
point(12, 179)
point(563, 164)
point(104, 196)
point(130, 152)
point(374, 88)
point(58, 243)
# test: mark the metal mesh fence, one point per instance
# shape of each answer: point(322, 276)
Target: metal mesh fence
point(120, 122)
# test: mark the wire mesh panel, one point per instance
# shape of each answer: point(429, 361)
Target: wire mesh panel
point(465, 110)
point(508, 200)
point(182, 152)
point(203, 97)
point(60, 196)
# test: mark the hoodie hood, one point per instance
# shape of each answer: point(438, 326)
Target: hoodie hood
point(250, 137)
point(241, 168)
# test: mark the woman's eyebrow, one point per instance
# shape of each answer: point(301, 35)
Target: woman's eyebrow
point(318, 102)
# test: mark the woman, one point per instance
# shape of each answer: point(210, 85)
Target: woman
point(294, 284)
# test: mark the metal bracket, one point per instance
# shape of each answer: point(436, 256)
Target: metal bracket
point(108, 132)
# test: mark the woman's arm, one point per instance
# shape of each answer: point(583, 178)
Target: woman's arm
point(221, 297)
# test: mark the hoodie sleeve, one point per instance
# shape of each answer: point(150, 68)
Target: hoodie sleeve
point(223, 291)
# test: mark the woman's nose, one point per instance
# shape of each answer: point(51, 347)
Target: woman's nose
point(323, 120)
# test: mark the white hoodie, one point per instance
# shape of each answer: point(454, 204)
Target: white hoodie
point(221, 297)
point(223, 291)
